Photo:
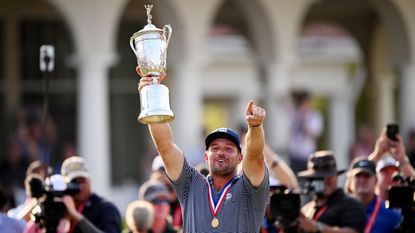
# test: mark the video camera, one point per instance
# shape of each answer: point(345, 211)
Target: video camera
point(286, 205)
point(45, 192)
point(285, 208)
point(401, 196)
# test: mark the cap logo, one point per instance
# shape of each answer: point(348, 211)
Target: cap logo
point(223, 130)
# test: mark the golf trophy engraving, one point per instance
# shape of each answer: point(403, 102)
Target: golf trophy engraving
point(150, 47)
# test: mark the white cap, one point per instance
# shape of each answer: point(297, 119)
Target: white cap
point(387, 161)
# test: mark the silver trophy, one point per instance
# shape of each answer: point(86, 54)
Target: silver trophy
point(150, 47)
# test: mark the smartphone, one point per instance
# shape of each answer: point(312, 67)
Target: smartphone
point(392, 129)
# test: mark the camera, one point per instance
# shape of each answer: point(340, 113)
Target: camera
point(392, 129)
point(401, 196)
point(51, 212)
point(285, 208)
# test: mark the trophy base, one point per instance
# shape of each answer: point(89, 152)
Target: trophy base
point(155, 117)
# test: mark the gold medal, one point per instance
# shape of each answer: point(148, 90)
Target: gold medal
point(215, 222)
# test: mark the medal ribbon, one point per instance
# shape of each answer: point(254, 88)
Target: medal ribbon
point(216, 204)
point(369, 225)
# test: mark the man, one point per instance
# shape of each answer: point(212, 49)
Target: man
point(331, 210)
point(139, 217)
point(87, 211)
point(225, 201)
point(306, 127)
point(386, 168)
point(363, 180)
point(390, 156)
point(158, 195)
point(8, 224)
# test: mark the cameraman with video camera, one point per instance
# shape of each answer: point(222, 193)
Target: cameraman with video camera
point(87, 211)
point(331, 210)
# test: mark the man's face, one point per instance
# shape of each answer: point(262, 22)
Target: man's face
point(85, 191)
point(363, 183)
point(330, 185)
point(161, 206)
point(385, 177)
point(223, 157)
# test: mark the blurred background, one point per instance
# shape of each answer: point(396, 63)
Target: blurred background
point(355, 58)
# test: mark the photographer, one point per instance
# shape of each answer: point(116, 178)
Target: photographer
point(331, 210)
point(87, 211)
point(362, 176)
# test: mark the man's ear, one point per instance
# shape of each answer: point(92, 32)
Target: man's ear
point(241, 157)
point(205, 156)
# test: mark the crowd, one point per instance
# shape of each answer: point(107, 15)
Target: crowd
point(231, 191)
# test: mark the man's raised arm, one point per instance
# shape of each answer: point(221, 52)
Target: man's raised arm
point(162, 136)
point(253, 163)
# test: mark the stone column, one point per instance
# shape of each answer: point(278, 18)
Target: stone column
point(386, 99)
point(276, 96)
point(407, 109)
point(93, 118)
point(186, 103)
point(340, 132)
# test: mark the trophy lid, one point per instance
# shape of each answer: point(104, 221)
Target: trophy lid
point(149, 28)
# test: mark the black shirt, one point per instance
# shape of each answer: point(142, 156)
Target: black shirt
point(102, 214)
point(341, 210)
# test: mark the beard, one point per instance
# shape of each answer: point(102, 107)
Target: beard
point(223, 171)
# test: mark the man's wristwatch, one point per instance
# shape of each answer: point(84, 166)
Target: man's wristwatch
point(320, 227)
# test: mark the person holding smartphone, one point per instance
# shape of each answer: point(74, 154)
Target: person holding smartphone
point(390, 145)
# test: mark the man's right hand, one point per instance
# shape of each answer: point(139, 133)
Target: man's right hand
point(72, 212)
point(144, 81)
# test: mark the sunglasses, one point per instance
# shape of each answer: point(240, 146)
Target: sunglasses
point(159, 201)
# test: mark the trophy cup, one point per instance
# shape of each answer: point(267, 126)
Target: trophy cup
point(150, 47)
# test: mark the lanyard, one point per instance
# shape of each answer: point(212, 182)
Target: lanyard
point(320, 212)
point(369, 224)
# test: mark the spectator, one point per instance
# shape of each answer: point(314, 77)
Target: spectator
point(411, 147)
point(365, 142)
point(23, 211)
point(306, 127)
point(159, 173)
point(7, 224)
point(87, 211)
point(391, 157)
point(139, 217)
point(362, 175)
point(158, 195)
point(332, 210)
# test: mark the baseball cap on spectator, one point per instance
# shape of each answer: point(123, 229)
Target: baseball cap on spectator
point(157, 164)
point(152, 190)
point(74, 167)
point(223, 133)
point(38, 167)
point(386, 162)
point(363, 165)
point(321, 164)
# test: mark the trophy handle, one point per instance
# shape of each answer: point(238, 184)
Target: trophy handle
point(167, 30)
point(132, 38)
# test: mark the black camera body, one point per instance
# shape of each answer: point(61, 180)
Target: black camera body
point(285, 208)
point(402, 197)
point(51, 211)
